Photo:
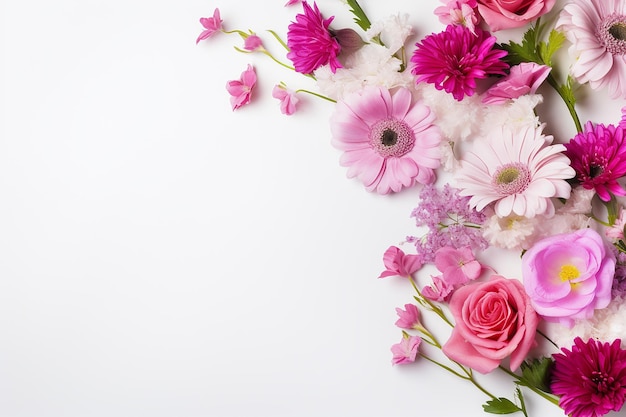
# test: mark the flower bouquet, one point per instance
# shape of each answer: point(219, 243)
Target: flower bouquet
point(458, 117)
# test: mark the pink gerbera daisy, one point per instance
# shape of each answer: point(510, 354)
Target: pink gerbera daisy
point(311, 43)
point(518, 170)
point(590, 379)
point(597, 31)
point(388, 141)
point(598, 155)
point(454, 59)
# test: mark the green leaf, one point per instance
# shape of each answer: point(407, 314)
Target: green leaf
point(527, 50)
point(547, 50)
point(500, 406)
point(360, 16)
point(536, 373)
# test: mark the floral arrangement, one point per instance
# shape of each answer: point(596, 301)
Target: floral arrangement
point(453, 117)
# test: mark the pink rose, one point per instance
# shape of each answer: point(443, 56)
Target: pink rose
point(508, 14)
point(494, 320)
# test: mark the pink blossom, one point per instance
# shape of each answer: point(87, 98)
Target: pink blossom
point(288, 99)
point(508, 14)
point(590, 379)
point(568, 276)
point(406, 350)
point(252, 43)
point(616, 231)
point(397, 263)
point(439, 291)
point(454, 59)
point(598, 156)
point(389, 140)
point(459, 266)
point(241, 89)
point(292, 2)
point(310, 41)
point(409, 318)
point(458, 12)
point(494, 320)
point(211, 25)
point(524, 78)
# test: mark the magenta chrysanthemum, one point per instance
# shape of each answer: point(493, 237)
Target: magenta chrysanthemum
point(598, 155)
point(310, 41)
point(388, 141)
point(597, 31)
point(518, 171)
point(454, 59)
point(590, 379)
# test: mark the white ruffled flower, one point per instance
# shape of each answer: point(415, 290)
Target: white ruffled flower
point(371, 65)
point(606, 324)
point(392, 32)
point(511, 232)
point(518, 113)
point(458, 120)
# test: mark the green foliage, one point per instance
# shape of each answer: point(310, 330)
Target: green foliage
point(533, 49)
point(536, 373)
point(500, 406)
point(360, 16)
point(547, 50)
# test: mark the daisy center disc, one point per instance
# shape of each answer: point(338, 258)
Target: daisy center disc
point(511, 178)
point(391, 137)
point(611, 32)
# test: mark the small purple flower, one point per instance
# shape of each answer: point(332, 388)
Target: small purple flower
point(450, 222)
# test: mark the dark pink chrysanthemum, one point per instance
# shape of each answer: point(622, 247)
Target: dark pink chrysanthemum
point(310, 41)
point(598, 155)
point(590, 379)
point(454, 59)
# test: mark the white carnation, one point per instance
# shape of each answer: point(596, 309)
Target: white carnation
point(371, 65)
point(392, 32)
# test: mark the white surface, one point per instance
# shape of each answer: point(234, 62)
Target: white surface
point(161, 255)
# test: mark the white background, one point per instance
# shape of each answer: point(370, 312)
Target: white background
point(162, 255)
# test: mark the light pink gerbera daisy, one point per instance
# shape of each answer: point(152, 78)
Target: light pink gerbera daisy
point(519, 171)
point(597, 31)
point(388, 141)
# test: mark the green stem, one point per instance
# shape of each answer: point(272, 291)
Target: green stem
point(554, 400)
point(547, 338)
point(570, 106)
point(316, 95)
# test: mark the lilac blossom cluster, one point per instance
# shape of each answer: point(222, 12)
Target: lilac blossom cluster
point(449, 220)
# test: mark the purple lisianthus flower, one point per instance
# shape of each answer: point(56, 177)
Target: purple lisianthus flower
point(568, 276)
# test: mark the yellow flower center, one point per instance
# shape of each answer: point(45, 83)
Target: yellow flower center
point(568, 273)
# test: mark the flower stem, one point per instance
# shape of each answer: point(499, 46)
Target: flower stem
point(563, 90)
point(316, 95)
point(520, 381)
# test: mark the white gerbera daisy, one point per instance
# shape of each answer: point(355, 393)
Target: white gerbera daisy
point(518, 171)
